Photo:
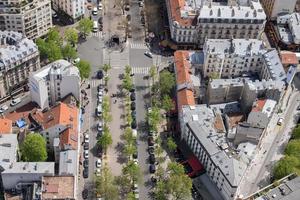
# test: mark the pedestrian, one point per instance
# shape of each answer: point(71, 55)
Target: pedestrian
point(115, 101)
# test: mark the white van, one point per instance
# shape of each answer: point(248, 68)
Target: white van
point(95, 26)
point(280, 121)
point(15, 101)
point(134, 132)
point(95, 11)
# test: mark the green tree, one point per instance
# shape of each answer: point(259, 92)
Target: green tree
point(33, 148)
point(175, 168)
point(71, 36)
point(129, 149)
point(43, 47)
point(128, 136)
point(84, 69)
point(132, 170)
point(53, 51)
point(130, 196)
point(154, 117)
point(128, 69)
point(69, 52)
point(285, 166)
point(105, 140)
point(296, 133)
point(166, 82)
point(127, 83)
point(171, 144)
point(167, 103)
point(54, 36)
point(106, 68)
point(123, 183)
point(105, 185)
point(153, 73)
point(160, 191)
point(180, 187)
point(85, 26)
point(214, 75)
point(293, 148)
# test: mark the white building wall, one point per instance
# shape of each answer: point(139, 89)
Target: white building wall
point(38, 92)
point(283, 6)
point(74, 8)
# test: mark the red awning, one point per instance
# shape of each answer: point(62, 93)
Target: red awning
point(195, 164)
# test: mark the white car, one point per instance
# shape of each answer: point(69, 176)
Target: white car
point(135, 161)
point(100, 99)
point(141, 4)
point(15, 101)
point(75, 61)
point(95, 11)
point(86, 154)
point(99, 127)
point(98, 163)
point(3, 108)
point(98, 172)
point(99, 111)
point(100, 6)
point(86, 138)
point(149, 54)
point(100, 93)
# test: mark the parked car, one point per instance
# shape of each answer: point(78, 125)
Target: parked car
point(99, 126)
point(151, 150)
point(98, 172)
point(132, 90)
point(100, 93)
point(149, 54)
point(95, 11)
point(141, 4)
point(86, 154)
point(100, 100)
point(100, 6)
point(100, 74)
point(127, 7)
point(132, 106)
point(132, 96)
point(99, 151)
point(152, 159)
point(133, 114)
point(133, 124)
point(86, 146)
point(82, 110)
point(16, 101)
point(100, 87)
point(152, 168)
point(75, 61)
point(150, 133)
point(98, 163)
point(150, 141)
point(135, 155)
point(85, 173)
point(86, 163)
point(85, 193)
point(86, 138)
point(3, 108)
point(99, 111)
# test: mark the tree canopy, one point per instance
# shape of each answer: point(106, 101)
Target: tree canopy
point(171, 144)
point(85, 26)
point(132, 170)
point(69, 52)
point(296, 133)
point(166, 82)
point(167, 103)
point(84, 69)
point(71, 36)
point(293, 148)
point(285, 166)
point(33, 148)
point(105, 140)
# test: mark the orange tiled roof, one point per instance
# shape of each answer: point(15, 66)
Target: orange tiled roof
point(176, 6)
point(288, 58)
point(185, 97)
point(5, 126)
point(60, 114)
point(259, 105)
point(182, 67)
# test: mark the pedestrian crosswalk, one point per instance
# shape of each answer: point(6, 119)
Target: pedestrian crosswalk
point(95, 82)
point(98, 34)
point(140, 70)
point(135, 45)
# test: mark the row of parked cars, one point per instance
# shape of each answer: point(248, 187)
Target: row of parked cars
point(151, 148)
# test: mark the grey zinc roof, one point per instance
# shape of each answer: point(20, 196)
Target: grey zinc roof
point(251, 11)
point(274, 64)
point(14, 47)
point(220, 83)
point(68, 162)
point(248, 131)
point(30, 167)
point(8, 149)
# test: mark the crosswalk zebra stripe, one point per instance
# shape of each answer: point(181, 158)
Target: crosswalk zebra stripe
point(95, 82)
point(138, 46)
point(98, 34)
point(140, 70)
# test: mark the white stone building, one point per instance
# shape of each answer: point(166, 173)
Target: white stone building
point(32, 18)
point(192, 21)
point(54, 82)
point(18, 57)
point(273, 8)
point(72, 8)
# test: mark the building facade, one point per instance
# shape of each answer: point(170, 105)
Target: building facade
point(18, 57)
point(275, 7)
point(32, 18)
point(72, 8)
point(54, 82)
point(193, 21)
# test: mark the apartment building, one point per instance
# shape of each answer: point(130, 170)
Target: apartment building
point(204, 132)
point(31, 18)
point(273, 8)
point(18, 57)
point(54, 82)
point(231, 58)
point(192, 21)
point(74, 9)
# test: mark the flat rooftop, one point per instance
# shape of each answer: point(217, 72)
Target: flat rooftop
point(58, 187)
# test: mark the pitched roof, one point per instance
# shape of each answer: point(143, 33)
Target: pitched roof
point(5, 126)
point(185, 97)
point(60, 114)
point(259, 105)
point(288, 58)
point(182, 67)
point(175, 8)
